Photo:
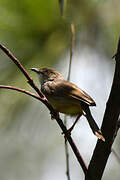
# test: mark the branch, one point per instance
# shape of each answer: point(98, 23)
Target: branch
point(22, 91)
point(44, 100)
point(18, 64)
point(71, 48)
point(65, 117)
point(61, 3)
point(103, 150)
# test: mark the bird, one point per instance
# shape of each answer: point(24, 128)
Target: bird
point(67, 98)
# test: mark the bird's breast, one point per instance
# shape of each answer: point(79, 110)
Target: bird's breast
point(66, 106)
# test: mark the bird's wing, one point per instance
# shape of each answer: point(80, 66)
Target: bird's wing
point(69, 90)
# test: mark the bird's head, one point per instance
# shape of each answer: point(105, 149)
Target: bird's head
point(47, 74)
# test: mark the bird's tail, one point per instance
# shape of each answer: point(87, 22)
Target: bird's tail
point(93, 124)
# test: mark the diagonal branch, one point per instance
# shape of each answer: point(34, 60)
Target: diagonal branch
point(19, 65)
point(103, 150)
point(44, 100)
point(22, 91)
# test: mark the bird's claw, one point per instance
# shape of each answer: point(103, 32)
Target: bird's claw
point(67, 133)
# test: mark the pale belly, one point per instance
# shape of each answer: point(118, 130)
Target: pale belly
point(68, 107)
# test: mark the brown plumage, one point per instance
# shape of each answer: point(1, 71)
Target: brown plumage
point(66, 97)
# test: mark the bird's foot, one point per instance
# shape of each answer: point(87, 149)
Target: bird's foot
point(67, 133)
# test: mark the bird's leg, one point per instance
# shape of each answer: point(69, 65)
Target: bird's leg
point(68, 132)
point(71, 128)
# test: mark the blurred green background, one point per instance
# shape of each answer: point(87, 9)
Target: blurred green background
point(31, 145)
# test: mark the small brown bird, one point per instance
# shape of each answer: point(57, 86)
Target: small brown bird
point(65, 97)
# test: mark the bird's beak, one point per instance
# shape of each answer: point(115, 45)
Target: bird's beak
point(35, 70)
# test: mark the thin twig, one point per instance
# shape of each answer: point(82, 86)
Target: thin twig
point(65, 117)
point(19, 65)
point(52, 111)
point(71, 48)
point(67, 156)
point(61, 3)
point(22, 91)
